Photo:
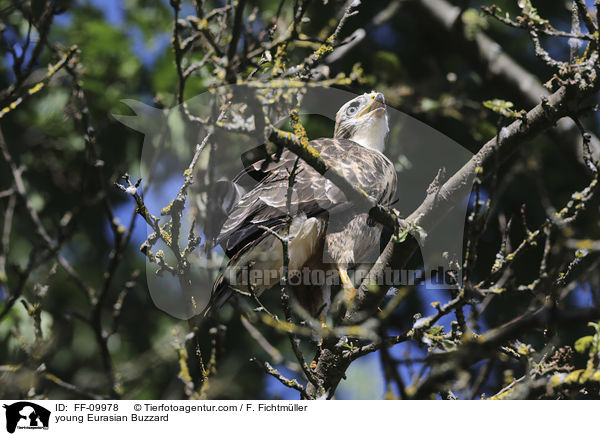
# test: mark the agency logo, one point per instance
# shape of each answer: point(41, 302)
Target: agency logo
point(26, 416)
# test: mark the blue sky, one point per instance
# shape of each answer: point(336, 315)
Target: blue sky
point(360, 382)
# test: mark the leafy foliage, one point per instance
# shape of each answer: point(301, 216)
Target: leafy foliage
point(76, 319)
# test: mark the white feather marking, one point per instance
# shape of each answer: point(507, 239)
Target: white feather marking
point(305, 241)
point(267, 256)
point(372, 131)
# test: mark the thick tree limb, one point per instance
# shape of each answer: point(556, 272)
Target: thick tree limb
point(494, 61)
point(438, 203)
point(332, 363)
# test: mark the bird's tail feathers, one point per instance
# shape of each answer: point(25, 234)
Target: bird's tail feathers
point(221, 293)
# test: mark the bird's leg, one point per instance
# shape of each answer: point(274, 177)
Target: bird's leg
point(349, 289)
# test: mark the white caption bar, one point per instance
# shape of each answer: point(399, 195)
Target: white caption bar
point(295, 417)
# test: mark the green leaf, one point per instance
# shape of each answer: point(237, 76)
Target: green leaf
point(530, 12)
point(401, 236)
point(582, 344)
point(501, 107)
point(474, 21)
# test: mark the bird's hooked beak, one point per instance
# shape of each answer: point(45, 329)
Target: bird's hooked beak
point(378, 103)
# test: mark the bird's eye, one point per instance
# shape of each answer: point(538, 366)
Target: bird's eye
point(352, 110)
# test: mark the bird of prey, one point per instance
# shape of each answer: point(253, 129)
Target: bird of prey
point(326, 232)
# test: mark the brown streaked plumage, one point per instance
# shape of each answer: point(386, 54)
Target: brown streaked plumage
point(328, 232)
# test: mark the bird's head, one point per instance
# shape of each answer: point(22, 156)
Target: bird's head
point(363, 120)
